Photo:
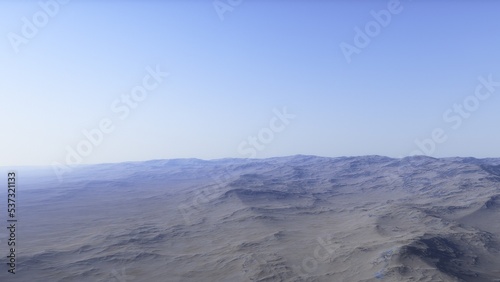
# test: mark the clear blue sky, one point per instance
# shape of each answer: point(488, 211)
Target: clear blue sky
point(226, 77)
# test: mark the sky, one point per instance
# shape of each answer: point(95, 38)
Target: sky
point(87, 82)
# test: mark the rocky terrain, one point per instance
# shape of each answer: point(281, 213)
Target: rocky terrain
point(297, 218)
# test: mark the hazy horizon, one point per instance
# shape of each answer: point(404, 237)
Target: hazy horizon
point(51, 167)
